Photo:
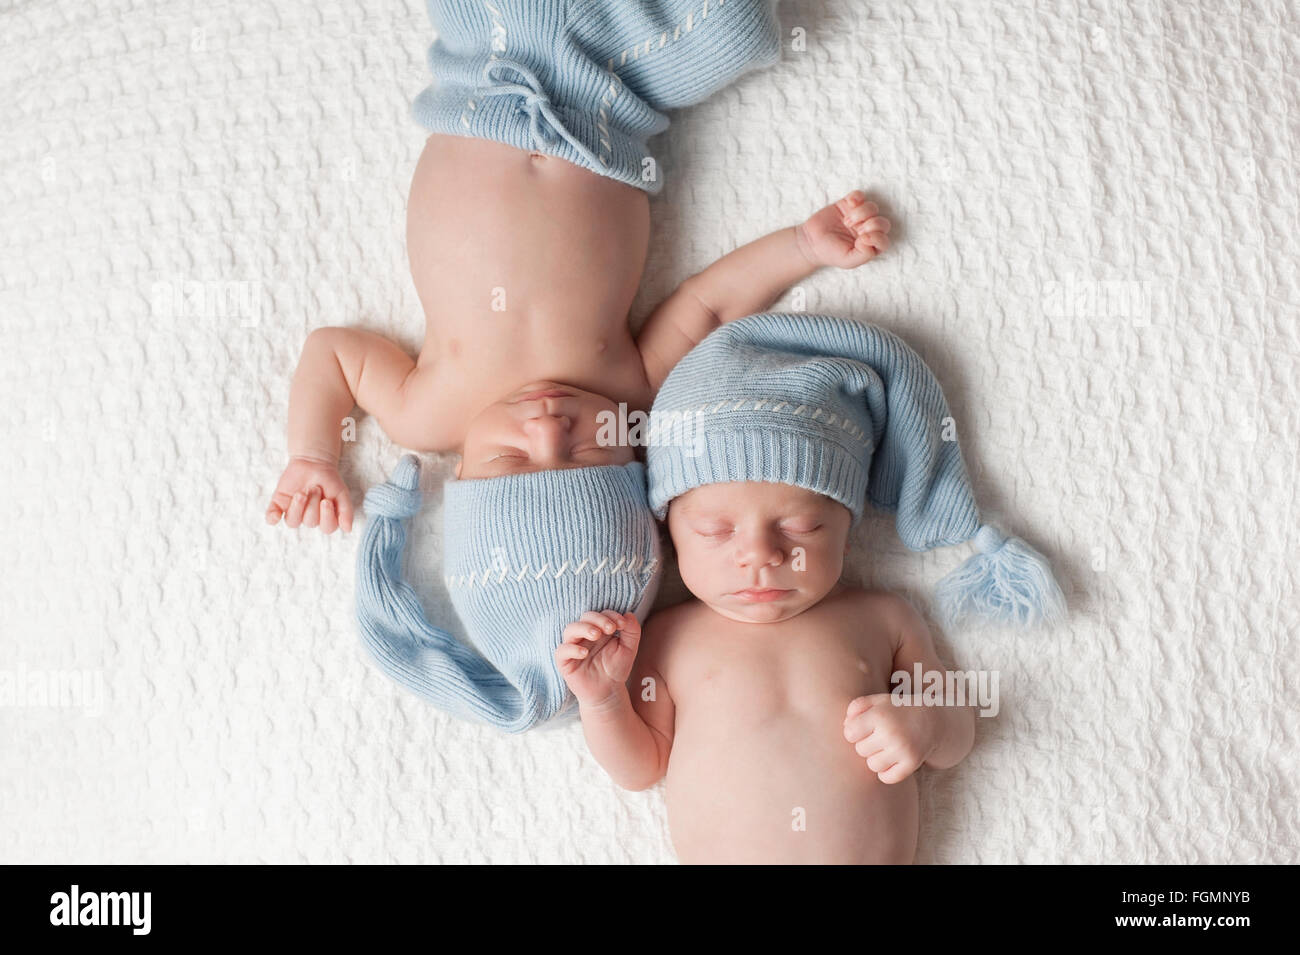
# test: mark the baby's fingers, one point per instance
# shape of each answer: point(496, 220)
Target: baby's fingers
point(882, 761)
point(855, 208)
point(627, 622)
point(859, 705)
point(345, 509)
point(275, 510)
point(580, 631)
point(859, 727)
point(311, 512)
point(870, 745)
point(607, 621)
point(872, 242)
point(899, 771)
point(896, 768)
point(293, 516)
point(872, 224)
point(569, 655)
point(328, 517)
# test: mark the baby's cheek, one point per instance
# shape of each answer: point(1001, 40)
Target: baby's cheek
point(694, 569)
point(686, 566)
point(820, 564)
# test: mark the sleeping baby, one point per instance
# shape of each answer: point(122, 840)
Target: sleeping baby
point(767, 703)
point(527, 232)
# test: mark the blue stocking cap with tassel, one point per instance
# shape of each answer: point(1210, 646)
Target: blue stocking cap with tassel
point(846, 410)
point(523, 556)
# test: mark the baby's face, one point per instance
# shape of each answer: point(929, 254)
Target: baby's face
point(758, 552)
point(543, 426)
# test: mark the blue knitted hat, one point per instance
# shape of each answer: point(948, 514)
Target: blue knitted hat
point(849, 411)
point(524, 555)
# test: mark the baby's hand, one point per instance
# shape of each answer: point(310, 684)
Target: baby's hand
point(311, 493)
point(845, 234)
point(895, 739)
point(595, 657)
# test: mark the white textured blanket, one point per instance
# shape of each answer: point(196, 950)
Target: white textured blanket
point(1096, 222)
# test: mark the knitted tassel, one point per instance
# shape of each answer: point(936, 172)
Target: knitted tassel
point(1006, 582)
point(405, 646)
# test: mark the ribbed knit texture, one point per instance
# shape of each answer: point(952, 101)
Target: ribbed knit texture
point(524, 556)
point(846, 410)
point(841, 408)
point(587, 80)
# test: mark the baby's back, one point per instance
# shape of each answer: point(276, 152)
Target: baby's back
point(760, 770)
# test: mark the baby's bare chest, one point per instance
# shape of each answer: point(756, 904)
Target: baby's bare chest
point(760, 770)
point(799, 669)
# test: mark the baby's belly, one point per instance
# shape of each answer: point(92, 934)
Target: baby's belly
point(788, 790)
point(496, 233)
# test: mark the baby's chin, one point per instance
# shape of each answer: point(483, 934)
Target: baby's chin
point(774, 612)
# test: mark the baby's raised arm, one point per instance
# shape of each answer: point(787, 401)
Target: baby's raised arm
point(597, 659)
point(340, 368)
point(845, 234)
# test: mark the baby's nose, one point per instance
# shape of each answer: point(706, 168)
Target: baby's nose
point(759, 550)
point(547, 433)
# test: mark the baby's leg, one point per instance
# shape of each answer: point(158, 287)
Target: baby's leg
point(587, 80)
point(675, 53)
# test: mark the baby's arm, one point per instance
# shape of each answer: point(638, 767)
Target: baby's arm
point(897, 740)
point(845, 234)
point(630, 741)
point(340, 368)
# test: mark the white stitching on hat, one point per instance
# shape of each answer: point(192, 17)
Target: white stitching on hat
point(628, 565)
point(812, 412)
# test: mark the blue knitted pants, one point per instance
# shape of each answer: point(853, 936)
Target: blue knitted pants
point(587, 80)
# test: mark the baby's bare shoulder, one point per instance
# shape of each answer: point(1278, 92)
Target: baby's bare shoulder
point(662, 634)
point(872, 611)
point(666, 624)
point(433, 410)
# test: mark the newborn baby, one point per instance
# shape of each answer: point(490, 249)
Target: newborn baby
point(760, 699)
point(765, 703)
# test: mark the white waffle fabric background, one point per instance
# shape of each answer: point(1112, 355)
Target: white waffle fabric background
point(1095, 247)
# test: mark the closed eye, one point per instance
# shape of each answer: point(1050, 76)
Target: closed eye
point(800, 531)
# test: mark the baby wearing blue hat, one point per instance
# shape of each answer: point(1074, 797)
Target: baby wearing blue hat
point(527, 232)
point(765, 703)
